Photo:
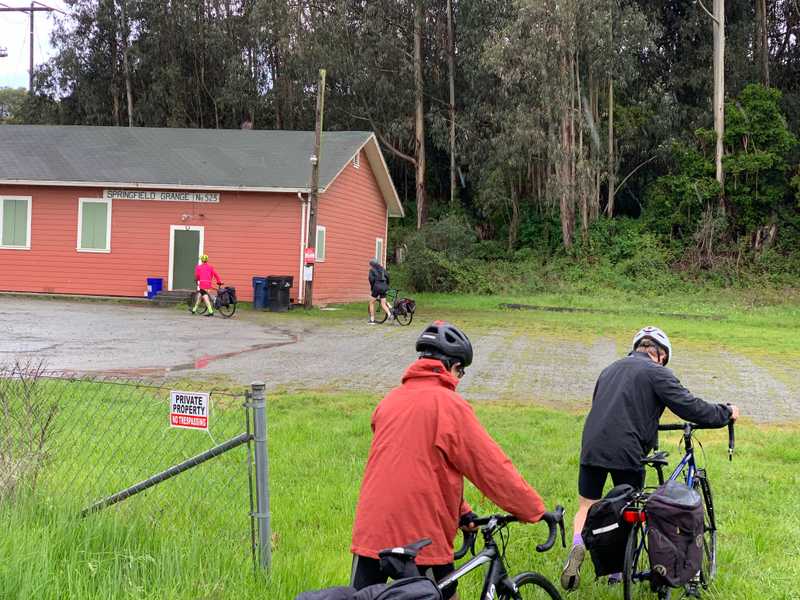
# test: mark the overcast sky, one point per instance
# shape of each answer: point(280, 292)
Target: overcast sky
point(14, 33)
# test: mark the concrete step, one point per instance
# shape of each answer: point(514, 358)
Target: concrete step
point(171, 297)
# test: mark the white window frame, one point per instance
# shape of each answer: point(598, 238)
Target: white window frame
point(320, 257)
point(379, 255)
point(357, 160)
point(27, 245)
point(107, 249)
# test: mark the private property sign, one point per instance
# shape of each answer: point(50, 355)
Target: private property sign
point(162, 196)
point(188, 410)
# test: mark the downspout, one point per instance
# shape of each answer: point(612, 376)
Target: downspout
point(301, 287)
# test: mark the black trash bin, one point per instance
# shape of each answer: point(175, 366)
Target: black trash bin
point(259, 293)
point(278, 288)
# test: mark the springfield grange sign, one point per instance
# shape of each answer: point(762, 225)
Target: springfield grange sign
point(188, 410)
point(162, 196)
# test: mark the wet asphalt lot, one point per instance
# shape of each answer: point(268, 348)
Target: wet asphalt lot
point(292, 353)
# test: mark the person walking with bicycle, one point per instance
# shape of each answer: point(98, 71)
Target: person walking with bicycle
point(426, 440)
point(379, 287)
point(205, 274)
point(622, 427)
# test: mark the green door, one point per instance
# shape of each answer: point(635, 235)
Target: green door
point(185, 255)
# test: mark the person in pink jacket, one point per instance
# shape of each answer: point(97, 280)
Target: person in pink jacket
point(205, 275)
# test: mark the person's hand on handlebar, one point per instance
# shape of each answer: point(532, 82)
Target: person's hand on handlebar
point(466, 522)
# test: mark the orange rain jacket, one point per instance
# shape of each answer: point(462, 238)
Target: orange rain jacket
point(426, 440)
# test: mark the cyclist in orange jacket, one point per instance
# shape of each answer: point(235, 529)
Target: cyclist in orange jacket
point(426, 439)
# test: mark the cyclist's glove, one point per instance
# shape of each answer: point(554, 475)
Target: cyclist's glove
point(466, 519)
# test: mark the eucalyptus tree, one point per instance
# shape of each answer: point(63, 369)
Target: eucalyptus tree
point(556, 55)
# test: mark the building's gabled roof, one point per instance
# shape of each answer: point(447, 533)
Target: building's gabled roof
point(203, 159)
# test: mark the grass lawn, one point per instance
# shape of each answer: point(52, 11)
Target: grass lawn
point(757, 322)
point(318, 445)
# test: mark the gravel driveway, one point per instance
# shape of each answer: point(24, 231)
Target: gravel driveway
point(298, 353)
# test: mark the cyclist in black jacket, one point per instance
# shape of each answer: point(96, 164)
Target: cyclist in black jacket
point(622, 426)
point(378, 288)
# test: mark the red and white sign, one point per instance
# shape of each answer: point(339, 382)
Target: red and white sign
point(188, 410)
point(310, 256)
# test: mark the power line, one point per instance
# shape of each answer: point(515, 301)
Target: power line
point(30, 11)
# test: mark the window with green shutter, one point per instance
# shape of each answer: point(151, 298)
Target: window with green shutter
point(94, 225)
point(14, 225)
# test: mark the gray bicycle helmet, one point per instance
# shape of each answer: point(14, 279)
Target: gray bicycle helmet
point(658, 336)
point(444, 341)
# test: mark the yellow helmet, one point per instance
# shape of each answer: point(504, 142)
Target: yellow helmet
point(204, 258)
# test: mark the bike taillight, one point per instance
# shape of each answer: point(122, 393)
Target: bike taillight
point(634, 516)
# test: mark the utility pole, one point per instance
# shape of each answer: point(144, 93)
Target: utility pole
point(719, 85)
point(718, 17)
point(313, 195)
point(31, 10)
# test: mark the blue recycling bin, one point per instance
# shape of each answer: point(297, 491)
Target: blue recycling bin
point(260, 300)
point(154, 286)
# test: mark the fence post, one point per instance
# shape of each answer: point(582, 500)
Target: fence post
point(262, 474)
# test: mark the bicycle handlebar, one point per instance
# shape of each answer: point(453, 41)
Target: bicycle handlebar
point(554, 520)
point(693, 426)
point(467, 545)
point(731, 440)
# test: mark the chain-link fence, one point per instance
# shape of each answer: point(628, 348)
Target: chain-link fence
point(85, 443)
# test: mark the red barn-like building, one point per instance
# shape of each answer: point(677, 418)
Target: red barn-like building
point(98, 210)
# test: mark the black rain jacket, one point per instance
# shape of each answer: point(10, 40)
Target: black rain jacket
point(378, 279)
point(629, 398)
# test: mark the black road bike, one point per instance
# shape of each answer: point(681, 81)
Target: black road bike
point(402, 308)
point(226, 309)
point(637, 564)
point(498, 584)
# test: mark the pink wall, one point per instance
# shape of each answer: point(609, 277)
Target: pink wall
point(354, 214)
point(246, 234)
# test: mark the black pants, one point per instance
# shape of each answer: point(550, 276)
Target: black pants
point(367, 571)
point(591, 480)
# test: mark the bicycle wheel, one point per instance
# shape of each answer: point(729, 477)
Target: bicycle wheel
point(201, 307)
point(380, 316)
point(404, 318)
point(228, 310)
point(635, 578)
point(708, 569)
point(531, 586)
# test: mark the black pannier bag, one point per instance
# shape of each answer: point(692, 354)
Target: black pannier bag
point(605, 533)
point(674, 533)
point(405, 306)
point(411, 588)
point(226, 296)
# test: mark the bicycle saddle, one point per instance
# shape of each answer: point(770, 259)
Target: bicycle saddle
point(398, 562)
point(659, 458)
point(409, 551)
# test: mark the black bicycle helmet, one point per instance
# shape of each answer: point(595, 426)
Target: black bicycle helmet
point(444, 341)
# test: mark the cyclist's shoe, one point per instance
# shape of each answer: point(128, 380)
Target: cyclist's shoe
point(571, 575)
point(693, 588)
point(615, 578)
point(194, 312)
point(371, 322)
